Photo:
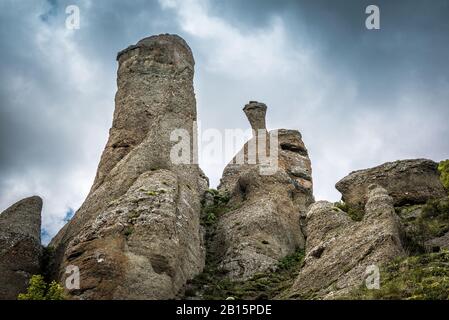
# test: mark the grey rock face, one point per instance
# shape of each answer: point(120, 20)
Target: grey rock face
point(407, 182)
point(263, 224)
point(20, 246)
point(137, 235)
point(339, 250)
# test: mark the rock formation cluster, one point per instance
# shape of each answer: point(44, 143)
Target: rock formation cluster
point(139, 233)
point(339, 250)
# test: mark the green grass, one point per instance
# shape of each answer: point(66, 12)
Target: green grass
point(423, 277)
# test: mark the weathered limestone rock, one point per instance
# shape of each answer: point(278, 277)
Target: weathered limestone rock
point(137, 235)
point(407, 182)
point(20, 246)
point(339, 250)
point(263, 224)
point(255, 112)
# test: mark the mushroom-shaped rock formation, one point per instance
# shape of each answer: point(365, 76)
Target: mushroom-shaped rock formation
point(263, 224)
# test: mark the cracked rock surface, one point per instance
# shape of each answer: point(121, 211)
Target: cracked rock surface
point(339, 250)
point(263, 223)
point(407, 182)
point(137, 235)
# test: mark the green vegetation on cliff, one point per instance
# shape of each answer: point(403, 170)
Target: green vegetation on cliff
point(424, 222)
point(38, 289)
point(423, 277)
point(213, 210)
point(443, 167)
point(212, 284)
point(354, 213)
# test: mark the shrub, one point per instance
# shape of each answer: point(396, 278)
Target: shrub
point(433, 221)
point(128, 231)
point(212, 212)
point(291, 261)
point(354, 213)
point(435, 216)
point(219, 197)
point(38, 289)
point(55, 291)
point(210, 218)
point(443, 167)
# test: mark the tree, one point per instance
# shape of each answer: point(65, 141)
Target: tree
point(38, 289)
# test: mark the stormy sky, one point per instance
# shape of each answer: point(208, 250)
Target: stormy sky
point(359, 97)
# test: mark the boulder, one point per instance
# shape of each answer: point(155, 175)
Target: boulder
point(407, 182)
point(138, 235)
point(340, 251)
point(263, 222)
point(20, 246)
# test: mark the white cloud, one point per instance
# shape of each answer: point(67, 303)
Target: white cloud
point(67, 123)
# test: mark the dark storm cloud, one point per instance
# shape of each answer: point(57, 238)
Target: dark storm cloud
point(412, 45)
point(56, 97)
point(359, 97)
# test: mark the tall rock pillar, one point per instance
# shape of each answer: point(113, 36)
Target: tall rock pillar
point(137, 235)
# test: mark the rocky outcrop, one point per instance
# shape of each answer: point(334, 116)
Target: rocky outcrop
point(137, 235)
point(20, 246)
point(439, 243)
point(339, 250)
point(407, 182)
point(267, 198)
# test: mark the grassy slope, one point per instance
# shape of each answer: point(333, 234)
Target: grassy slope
point(423, 277)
